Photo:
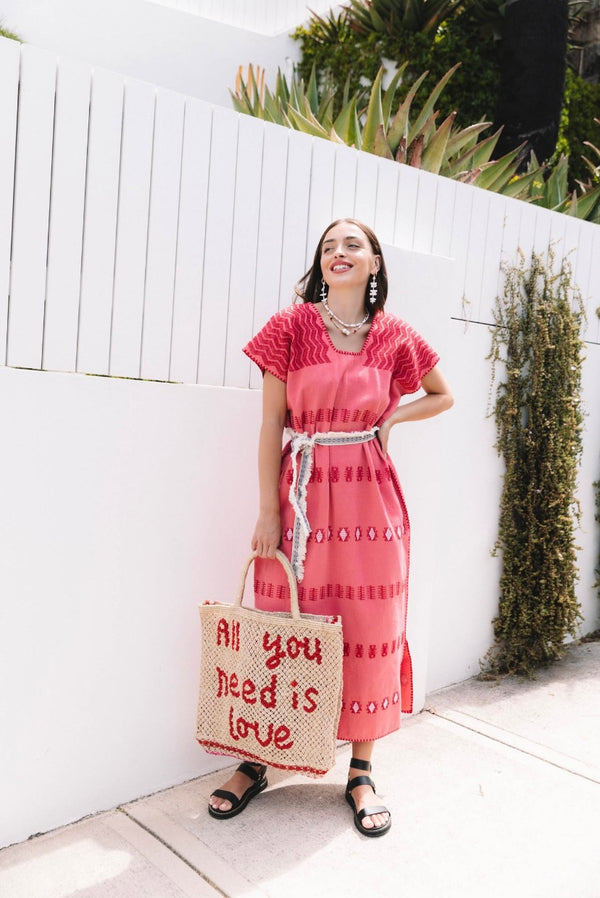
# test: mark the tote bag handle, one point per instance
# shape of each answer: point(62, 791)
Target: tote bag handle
point(283, 560)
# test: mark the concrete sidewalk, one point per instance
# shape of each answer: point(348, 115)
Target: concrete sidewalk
point(494, 791)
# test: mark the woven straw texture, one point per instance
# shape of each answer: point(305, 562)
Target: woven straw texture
point(270, 685)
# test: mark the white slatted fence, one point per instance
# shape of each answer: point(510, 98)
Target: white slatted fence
point(148, 235)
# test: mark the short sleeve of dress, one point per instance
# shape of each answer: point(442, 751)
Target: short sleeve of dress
point(414, 359)
point(270, 348)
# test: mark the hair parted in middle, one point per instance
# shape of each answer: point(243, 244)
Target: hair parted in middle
point(308, 288)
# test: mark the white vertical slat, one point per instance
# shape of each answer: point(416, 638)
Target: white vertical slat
point(527, 226)
point(556, 238)
point(217, 256)
point(593, 303)
point(321, 193)
point(32, 203)
point(406, 208)
point(493, 253)
point(387, 193)
point(512, 227)
point(578, 246)
point(100, 224)
point(541, 240)
point(459, 244)
point(344, 183)
point(476, 252)
point(272, 207)
point(162, 236)
point(244, 243)
point(425, 212)
point(10, 57)
point(195, 166)
point(297, 193)
point(367, 171)
point(444, 213)
point(132, 229)
point(572, 237)
point(66, 215)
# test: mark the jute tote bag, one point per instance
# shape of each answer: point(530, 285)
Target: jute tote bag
point(270, 683)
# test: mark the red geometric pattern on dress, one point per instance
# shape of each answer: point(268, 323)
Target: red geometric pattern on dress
point(321, 535)
point(395, 346)
point(374, 650)
point(380, 591)
point(334, 474)
point(308, 347)
point(270, 347)
point(349, 471)
point(364, 419)
point(372, 706)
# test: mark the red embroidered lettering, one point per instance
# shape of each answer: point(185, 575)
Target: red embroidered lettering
point(282, 738)
point(275, 659)
point(308, 697)
point(268, 697)
point(223, 632)
point(223, 683)
point(248, 690)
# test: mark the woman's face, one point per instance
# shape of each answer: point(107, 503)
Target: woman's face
point(347, 258)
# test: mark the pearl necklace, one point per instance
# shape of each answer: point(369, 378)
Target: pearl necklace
point(345, 327)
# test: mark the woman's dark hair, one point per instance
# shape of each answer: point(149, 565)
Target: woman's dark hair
point(308, 288)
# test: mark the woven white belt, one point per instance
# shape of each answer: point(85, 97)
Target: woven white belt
point(302, 445)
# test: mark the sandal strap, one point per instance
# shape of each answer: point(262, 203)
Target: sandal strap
point(228, 796)
point(360, 765)
point(249, 771)
point(370, 812)
point(360, 781)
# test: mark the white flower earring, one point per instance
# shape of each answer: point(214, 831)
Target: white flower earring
point(373, 290)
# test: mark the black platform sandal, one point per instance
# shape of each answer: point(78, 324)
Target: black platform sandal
point(259, 782)
point(359, 816)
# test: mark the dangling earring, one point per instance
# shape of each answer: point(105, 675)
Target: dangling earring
point(323, 289)
point(373, 291)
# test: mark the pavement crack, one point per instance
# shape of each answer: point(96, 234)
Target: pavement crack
point(519, 744)
point(174, 852)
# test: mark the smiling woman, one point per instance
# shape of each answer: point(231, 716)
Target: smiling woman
point(335, 368)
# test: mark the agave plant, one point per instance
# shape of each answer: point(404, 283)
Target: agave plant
point(402, 132)
point(406, 133)
point(397, 17)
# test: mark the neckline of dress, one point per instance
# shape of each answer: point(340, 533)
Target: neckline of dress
point(328, 335)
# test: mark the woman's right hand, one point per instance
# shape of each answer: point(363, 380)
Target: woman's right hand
point(267, 534)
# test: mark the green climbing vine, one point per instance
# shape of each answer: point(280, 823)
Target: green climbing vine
point(539, 428)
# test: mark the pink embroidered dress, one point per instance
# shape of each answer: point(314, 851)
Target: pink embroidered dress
point(357, 554)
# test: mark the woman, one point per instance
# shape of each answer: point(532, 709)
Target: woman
point(337, 365)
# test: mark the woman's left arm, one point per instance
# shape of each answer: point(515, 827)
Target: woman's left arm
point(438, 399)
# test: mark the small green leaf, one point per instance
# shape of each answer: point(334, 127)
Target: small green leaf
point(374, 114)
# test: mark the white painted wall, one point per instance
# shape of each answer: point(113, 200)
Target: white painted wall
point(168, 47)
point(124, 505)
point(264, 16)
